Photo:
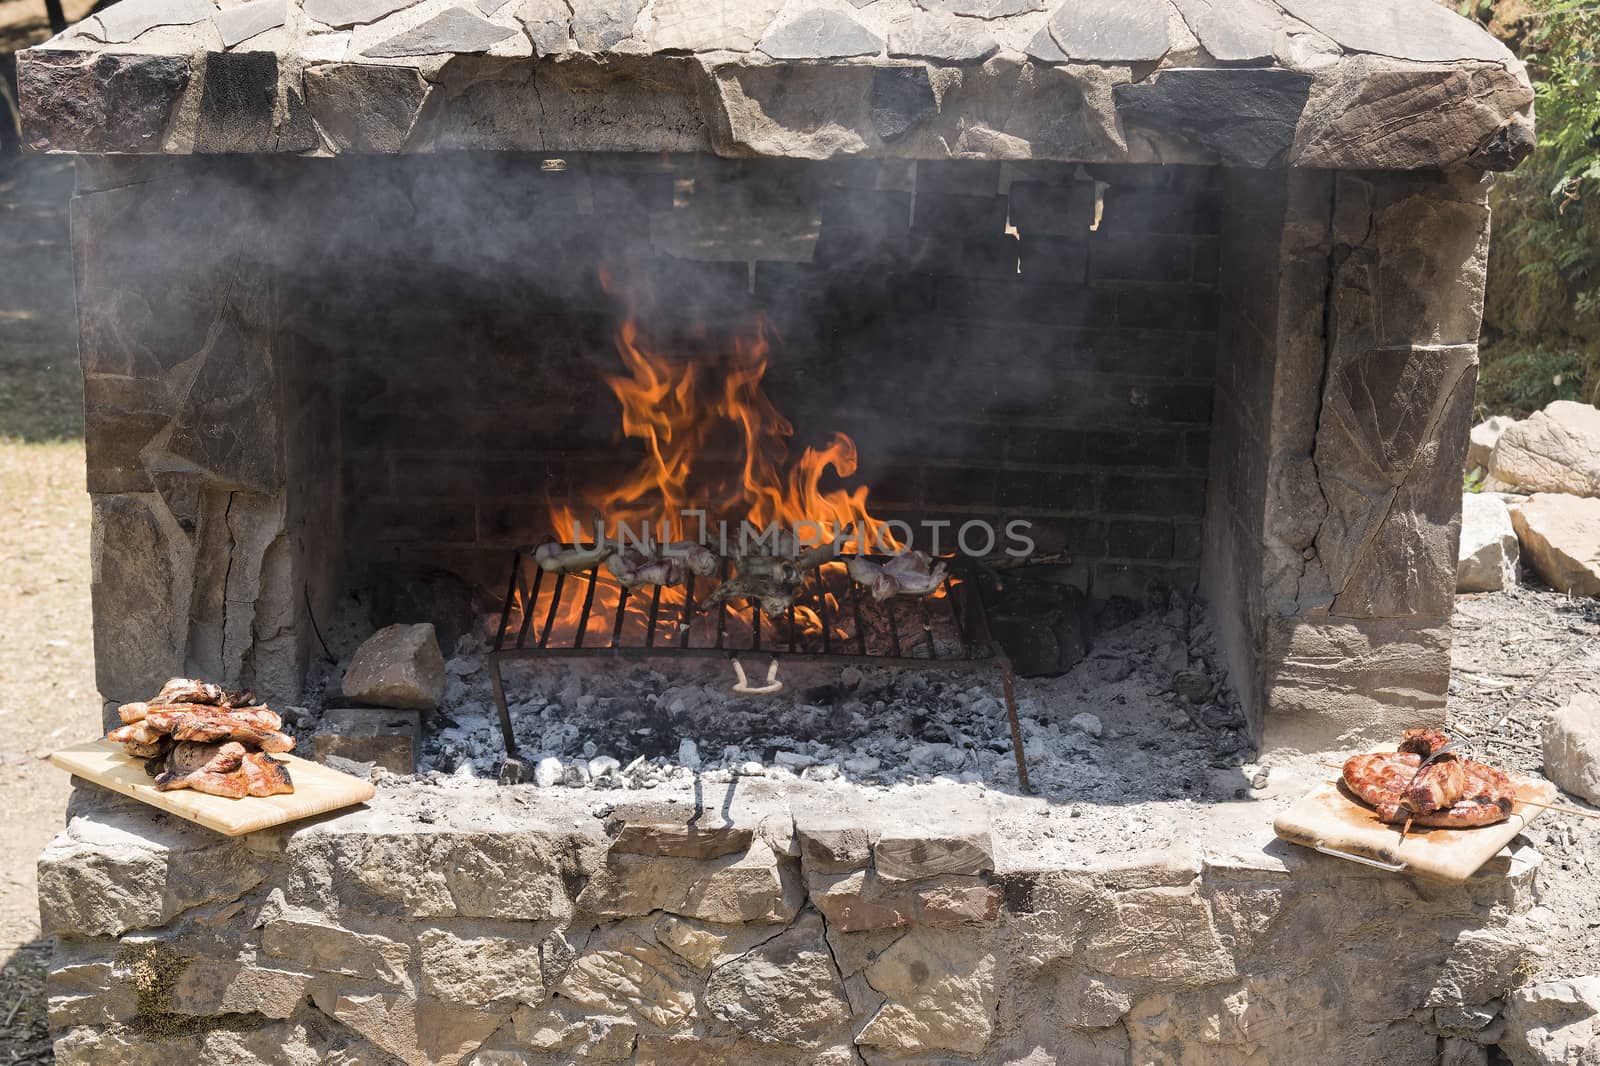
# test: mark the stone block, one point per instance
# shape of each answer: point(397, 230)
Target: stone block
point(480, 972)
point(1489, 553)
point(1485, 435)
point(910, 852)
point(785, 991)
point(237, 102)
point(83, 988)
point(1160, 934)
point(860, 900)
point(1560, 538)
point(140, 572)
point(757, 886)
point(398, 666)
point(320, 945)
point(1555, 450)
point(126, 869)
point(676, 830)
point(419, 1032)
point(940, 989)
point(1572, 746)
point(209, 987)
point(365, 108)
point(112, 103)
point(388, 737)
point(1552, 1022)
point(622, 973)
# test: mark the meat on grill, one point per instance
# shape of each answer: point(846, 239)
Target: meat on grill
point(910, 573)
point(226, 769)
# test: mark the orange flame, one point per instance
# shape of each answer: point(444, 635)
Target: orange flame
point(692, 413)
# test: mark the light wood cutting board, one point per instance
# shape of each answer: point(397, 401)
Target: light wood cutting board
point(317, 790)
point(1331, 820)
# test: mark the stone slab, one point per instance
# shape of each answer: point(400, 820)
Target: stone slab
point(1404, 29)
point(1247, 116)
point(1111, 31)
point(455, 29)
point(1560, 538)
point(819, 33)
point(342, 14)
point(244, 21)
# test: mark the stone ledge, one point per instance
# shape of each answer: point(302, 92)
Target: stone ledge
point(894, 78)
point(360, 933)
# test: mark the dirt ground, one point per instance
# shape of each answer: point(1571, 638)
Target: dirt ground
point(47, 694)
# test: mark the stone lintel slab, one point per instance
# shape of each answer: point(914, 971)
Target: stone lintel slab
point(746, 78)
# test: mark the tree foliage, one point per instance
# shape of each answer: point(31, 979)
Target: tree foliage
point(1542, 309)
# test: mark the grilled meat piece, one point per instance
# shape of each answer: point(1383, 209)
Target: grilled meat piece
point(1382, 779)
point(1424, 742)
point(227, 770)
point(266, 776)
point(192, 690)
point(141, 733)
point(560, 559)
point(631, 569)
point(776, 597)
point(133, 712)
point(167, 719)
point(1436, 787)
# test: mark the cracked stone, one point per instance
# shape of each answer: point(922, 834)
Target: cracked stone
point(711, 25)
point(820, 34)
point(1405, 29)
point(1111, 31)
point(600, 25)
point(548, 23)
point(455, 30)
point(983, 9)
point(940, 990)
point(124, 21)
point(244, 21)
point(1234, 31)
point(938, 37)
point(365, 108)
point(343, 14)
point(627, 974)
point(480, 972)
point(785, 991)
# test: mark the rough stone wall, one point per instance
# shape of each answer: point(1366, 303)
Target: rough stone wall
point(1354, 357)
point(1389, 84)
point(432, 929)
point(197, 416)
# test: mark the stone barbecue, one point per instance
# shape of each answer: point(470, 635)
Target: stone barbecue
point(1190, 290)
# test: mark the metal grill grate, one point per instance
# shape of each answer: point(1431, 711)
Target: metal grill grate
point(587, 614)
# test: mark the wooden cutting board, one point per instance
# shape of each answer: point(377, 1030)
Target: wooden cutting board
point(317, 790)
point(1331, 820)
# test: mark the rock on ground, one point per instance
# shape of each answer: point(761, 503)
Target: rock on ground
point(1554, 1023)
point(1484, 437)
point(1572, 747)
point(1554, 450)
point(398, 666)
point(1560, 535)
point(1489, 553)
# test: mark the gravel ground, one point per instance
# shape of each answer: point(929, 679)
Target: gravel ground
point(1518, 656)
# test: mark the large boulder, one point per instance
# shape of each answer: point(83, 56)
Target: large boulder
point(1560, 536)
point(1488, 559)
point(1555, 450)
point(1484, 437)
point(1572, 747)
point(398, 666)
point(1554, 1023)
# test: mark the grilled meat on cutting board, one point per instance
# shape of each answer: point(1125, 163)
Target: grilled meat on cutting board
point(203, 737)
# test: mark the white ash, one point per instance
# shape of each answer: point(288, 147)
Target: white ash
point(1146, 716)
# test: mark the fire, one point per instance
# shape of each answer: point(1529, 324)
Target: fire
point(713, 444)
point(692, 413)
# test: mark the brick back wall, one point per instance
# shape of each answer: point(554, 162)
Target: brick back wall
point(1054, 372)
